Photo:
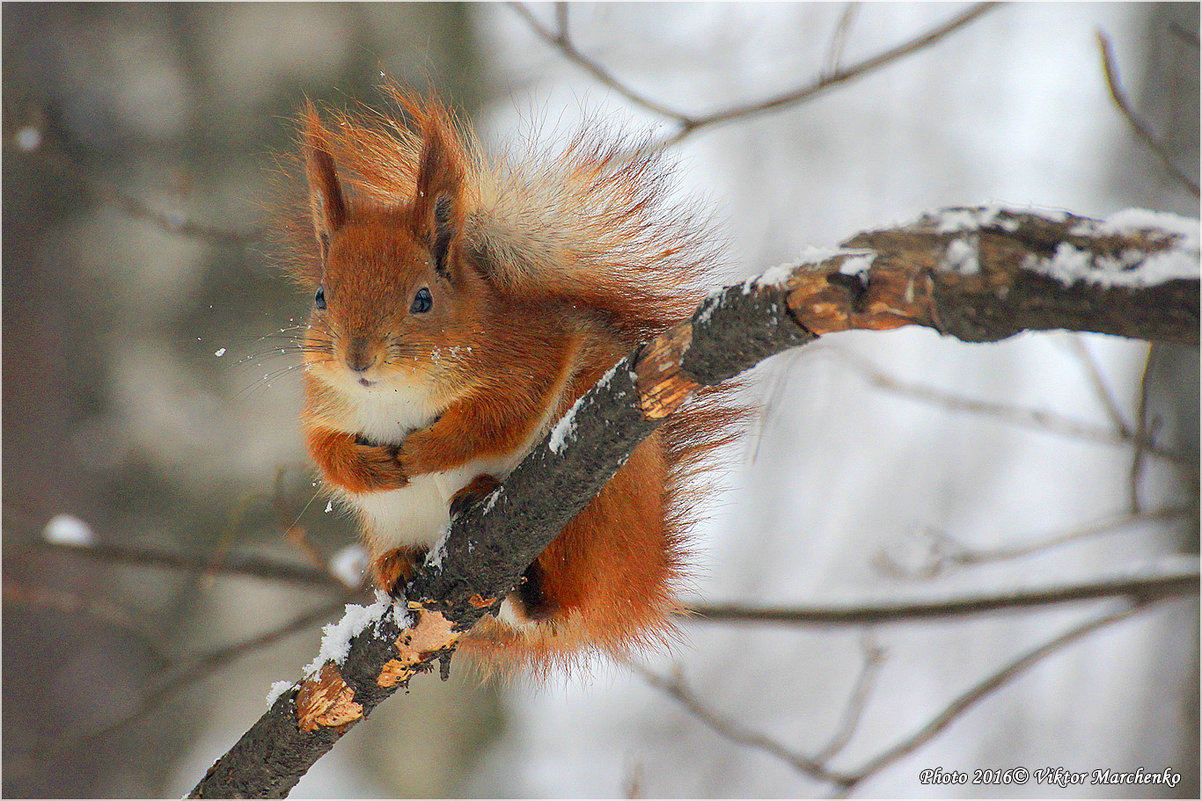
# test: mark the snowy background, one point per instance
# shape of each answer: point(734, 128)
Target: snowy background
point(118, 410)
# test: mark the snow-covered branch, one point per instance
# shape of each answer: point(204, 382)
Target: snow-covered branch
point(986, 273)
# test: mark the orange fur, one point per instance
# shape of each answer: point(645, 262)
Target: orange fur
point(461, 306)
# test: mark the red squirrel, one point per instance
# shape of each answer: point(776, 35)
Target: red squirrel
point(460, 306)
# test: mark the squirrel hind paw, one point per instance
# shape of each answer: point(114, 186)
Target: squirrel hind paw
point(529, 602)
point(393, 570)
point(479, 486)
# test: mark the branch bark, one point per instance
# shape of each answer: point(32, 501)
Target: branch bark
point(976, 274)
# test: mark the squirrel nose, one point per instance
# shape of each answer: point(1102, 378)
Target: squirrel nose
point(358, 356)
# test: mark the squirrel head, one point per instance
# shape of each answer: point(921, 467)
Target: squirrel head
point(398, 300)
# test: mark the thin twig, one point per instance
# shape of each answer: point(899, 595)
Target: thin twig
point(1138, 126)
point(1176, 578)
point(1187, 36)
point(689, 123)
point(824, 82)
point(834, 53)
point(182, 676)
point(1106, 526)
point(873, 661)
point(561, 39)
point(632, 784)
point(1101, 387)
point(232, 564)
point(200, 667)
point(734, 731)
point(57, 158)
point(951, 552)
point(1038, 419)
point(17, 593)
point(1142, 438)
point(982, 689)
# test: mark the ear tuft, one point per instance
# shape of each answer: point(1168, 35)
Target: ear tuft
point(325, 192)
point(438, 208)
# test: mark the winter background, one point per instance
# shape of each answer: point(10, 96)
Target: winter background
point(140, 396)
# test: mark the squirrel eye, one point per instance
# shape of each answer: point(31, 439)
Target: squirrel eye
point(320, 299)
point(421, 302)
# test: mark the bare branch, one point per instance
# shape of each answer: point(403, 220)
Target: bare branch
point(873, 660)
point(845, 781)
point(1138, 126)
point(834, 53)
point(231, 564)
point(17, 593)
point(1036, 419)
point(690, 123)
point(1142, 441)
point(734, 731)
point(951, 553)
point(1101, 387)
point(35, 141)
point(562, 40)
point(1173, 578)
point(632, 783)
point(183, 675)
point(982, 689)
point(1187, 36)
point(824, 82)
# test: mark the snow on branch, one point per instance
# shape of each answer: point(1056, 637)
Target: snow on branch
point(987, 273)
point(978, 274)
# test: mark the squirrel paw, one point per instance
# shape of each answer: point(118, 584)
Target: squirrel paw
point(529, 599)
point(381, 465)
point(480, 486)
point(393, 570)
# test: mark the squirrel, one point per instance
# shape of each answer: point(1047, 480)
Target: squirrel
point(460, 307)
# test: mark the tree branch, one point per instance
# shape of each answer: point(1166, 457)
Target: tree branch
point(921, 275)
point(985, 274)
point(843, 75)
point(230, 564)
point(947, 552)
point(1138, 126)
point(1171, 578)
point(691, 123)
point(561, 39)
point(857, 700)
point(38, 140)
point(970, 697)
point(845, 781)
point(735, 731)
point(1175, 578)
point(1044, 420)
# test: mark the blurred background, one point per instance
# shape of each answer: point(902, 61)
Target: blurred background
point(144, 396)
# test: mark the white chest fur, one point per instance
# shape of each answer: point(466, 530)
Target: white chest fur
point(389, 413)
point(417, 514)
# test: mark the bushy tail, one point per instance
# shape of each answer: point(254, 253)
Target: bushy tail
point(590, 225)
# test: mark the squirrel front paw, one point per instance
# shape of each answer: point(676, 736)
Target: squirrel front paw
point(380, 465)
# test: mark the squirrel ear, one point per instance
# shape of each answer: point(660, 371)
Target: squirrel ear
point(325, 193)
point(438, 208)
